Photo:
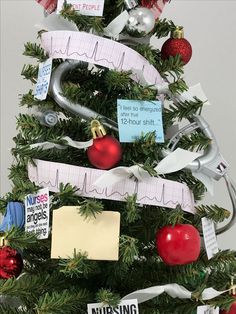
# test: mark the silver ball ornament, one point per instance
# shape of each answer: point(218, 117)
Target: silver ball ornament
point(141, 22)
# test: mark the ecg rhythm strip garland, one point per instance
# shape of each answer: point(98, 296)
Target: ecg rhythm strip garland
point(101, 51)
point(157, 192)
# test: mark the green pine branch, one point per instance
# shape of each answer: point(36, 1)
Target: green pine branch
point(83, 22)
point(34, 50)
point(131, 213)
point(20, 239)
point(212, 212)
point(78, 266)
point(90, 208)
point(194, 141)
point(148, 52)
point(65, 196)
point(171, 67)
point(107, 297)
point(30, 72)
point(181, 110)
point(128, 249)
point(163, 27)
point(63, 302)
point(178, 86)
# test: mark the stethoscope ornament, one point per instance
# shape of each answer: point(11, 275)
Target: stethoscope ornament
point(211, 164)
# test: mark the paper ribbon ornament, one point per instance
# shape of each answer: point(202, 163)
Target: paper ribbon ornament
point(104, 52)
point(69, 142)
point(14, 216)
point(154, 191)
point(176, 161)
point(174, 290)
point(49, 5)
point(98, 50)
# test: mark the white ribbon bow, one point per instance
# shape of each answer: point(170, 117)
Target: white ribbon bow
point(174, 290)
point(175, 161)
point(69, 142)
point(117, 25)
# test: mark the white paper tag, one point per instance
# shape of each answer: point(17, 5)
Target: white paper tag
point(206, 309)
point(126, 306)
point(37, 213)
point(85, 7)
point(209, 235)
point(43, 81)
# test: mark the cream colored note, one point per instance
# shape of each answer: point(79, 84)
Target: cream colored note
point(98, 237)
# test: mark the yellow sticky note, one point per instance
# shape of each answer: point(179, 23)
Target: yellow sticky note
point(98, 237)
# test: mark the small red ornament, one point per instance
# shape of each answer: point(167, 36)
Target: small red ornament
point(178, 245)
point(11, 263)
point(106, 151)
point(177, 45)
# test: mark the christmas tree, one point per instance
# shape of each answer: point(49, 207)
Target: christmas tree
point(104, 205)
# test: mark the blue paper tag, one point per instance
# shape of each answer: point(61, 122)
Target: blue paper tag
point(137, 117)
point(43, 81)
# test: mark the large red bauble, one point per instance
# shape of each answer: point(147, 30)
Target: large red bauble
point(11, 262)
point(177, 46)
point(178, 245)
point(105, 152)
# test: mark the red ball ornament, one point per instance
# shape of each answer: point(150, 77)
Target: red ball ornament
point(106, 151)
point(11, 263)
point(177, 45)
point(178, 245)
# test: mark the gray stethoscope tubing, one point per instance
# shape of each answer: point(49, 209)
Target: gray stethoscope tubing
point(210, 163)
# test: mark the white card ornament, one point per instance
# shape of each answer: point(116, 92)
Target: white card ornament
point(98, 237)
point(206, 309)
point(85, 7)
point(37, 213)
point(127, 306)
point(209, 236)
point(154, 191)
point(43, 81)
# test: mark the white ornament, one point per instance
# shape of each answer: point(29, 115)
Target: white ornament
point(141, 21)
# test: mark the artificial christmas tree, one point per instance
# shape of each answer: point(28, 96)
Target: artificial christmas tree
point(114, 77)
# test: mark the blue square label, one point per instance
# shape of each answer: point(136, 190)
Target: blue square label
point(137, 117)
